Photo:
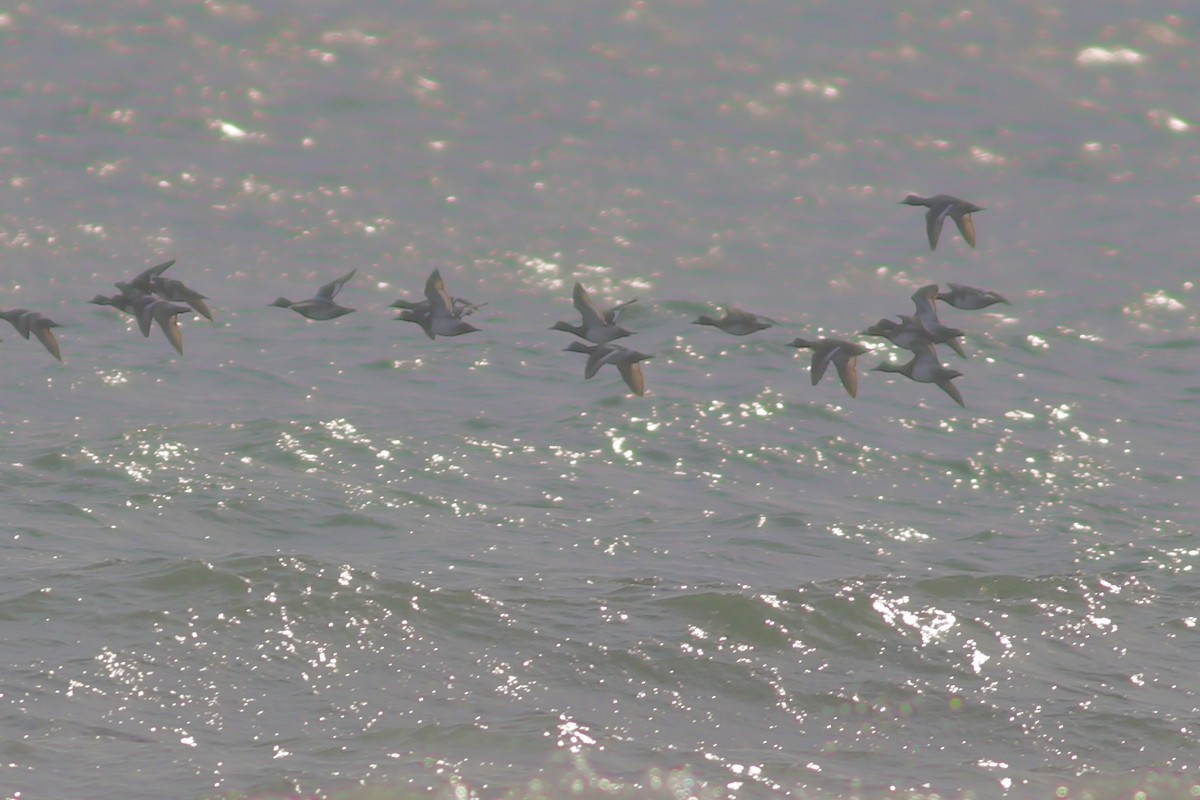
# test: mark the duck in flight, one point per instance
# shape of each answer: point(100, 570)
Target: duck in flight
point(32, 322)
point(595, 326)
point(968, 298)
point(735, 322)
point(842, 354)
point(438, 314)
point(925, 301)
point(926, 368)
point(322, 305)
point(625, 360)
point(941, 206)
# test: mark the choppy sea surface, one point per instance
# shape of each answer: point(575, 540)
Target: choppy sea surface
point(337, 559)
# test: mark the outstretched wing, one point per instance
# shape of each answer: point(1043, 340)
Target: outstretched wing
point(330, 290)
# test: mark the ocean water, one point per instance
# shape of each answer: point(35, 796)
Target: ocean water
point(337, 559)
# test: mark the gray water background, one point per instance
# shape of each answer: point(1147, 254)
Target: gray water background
point(338, 559)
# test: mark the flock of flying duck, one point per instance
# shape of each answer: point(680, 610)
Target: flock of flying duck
point(151, 298)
